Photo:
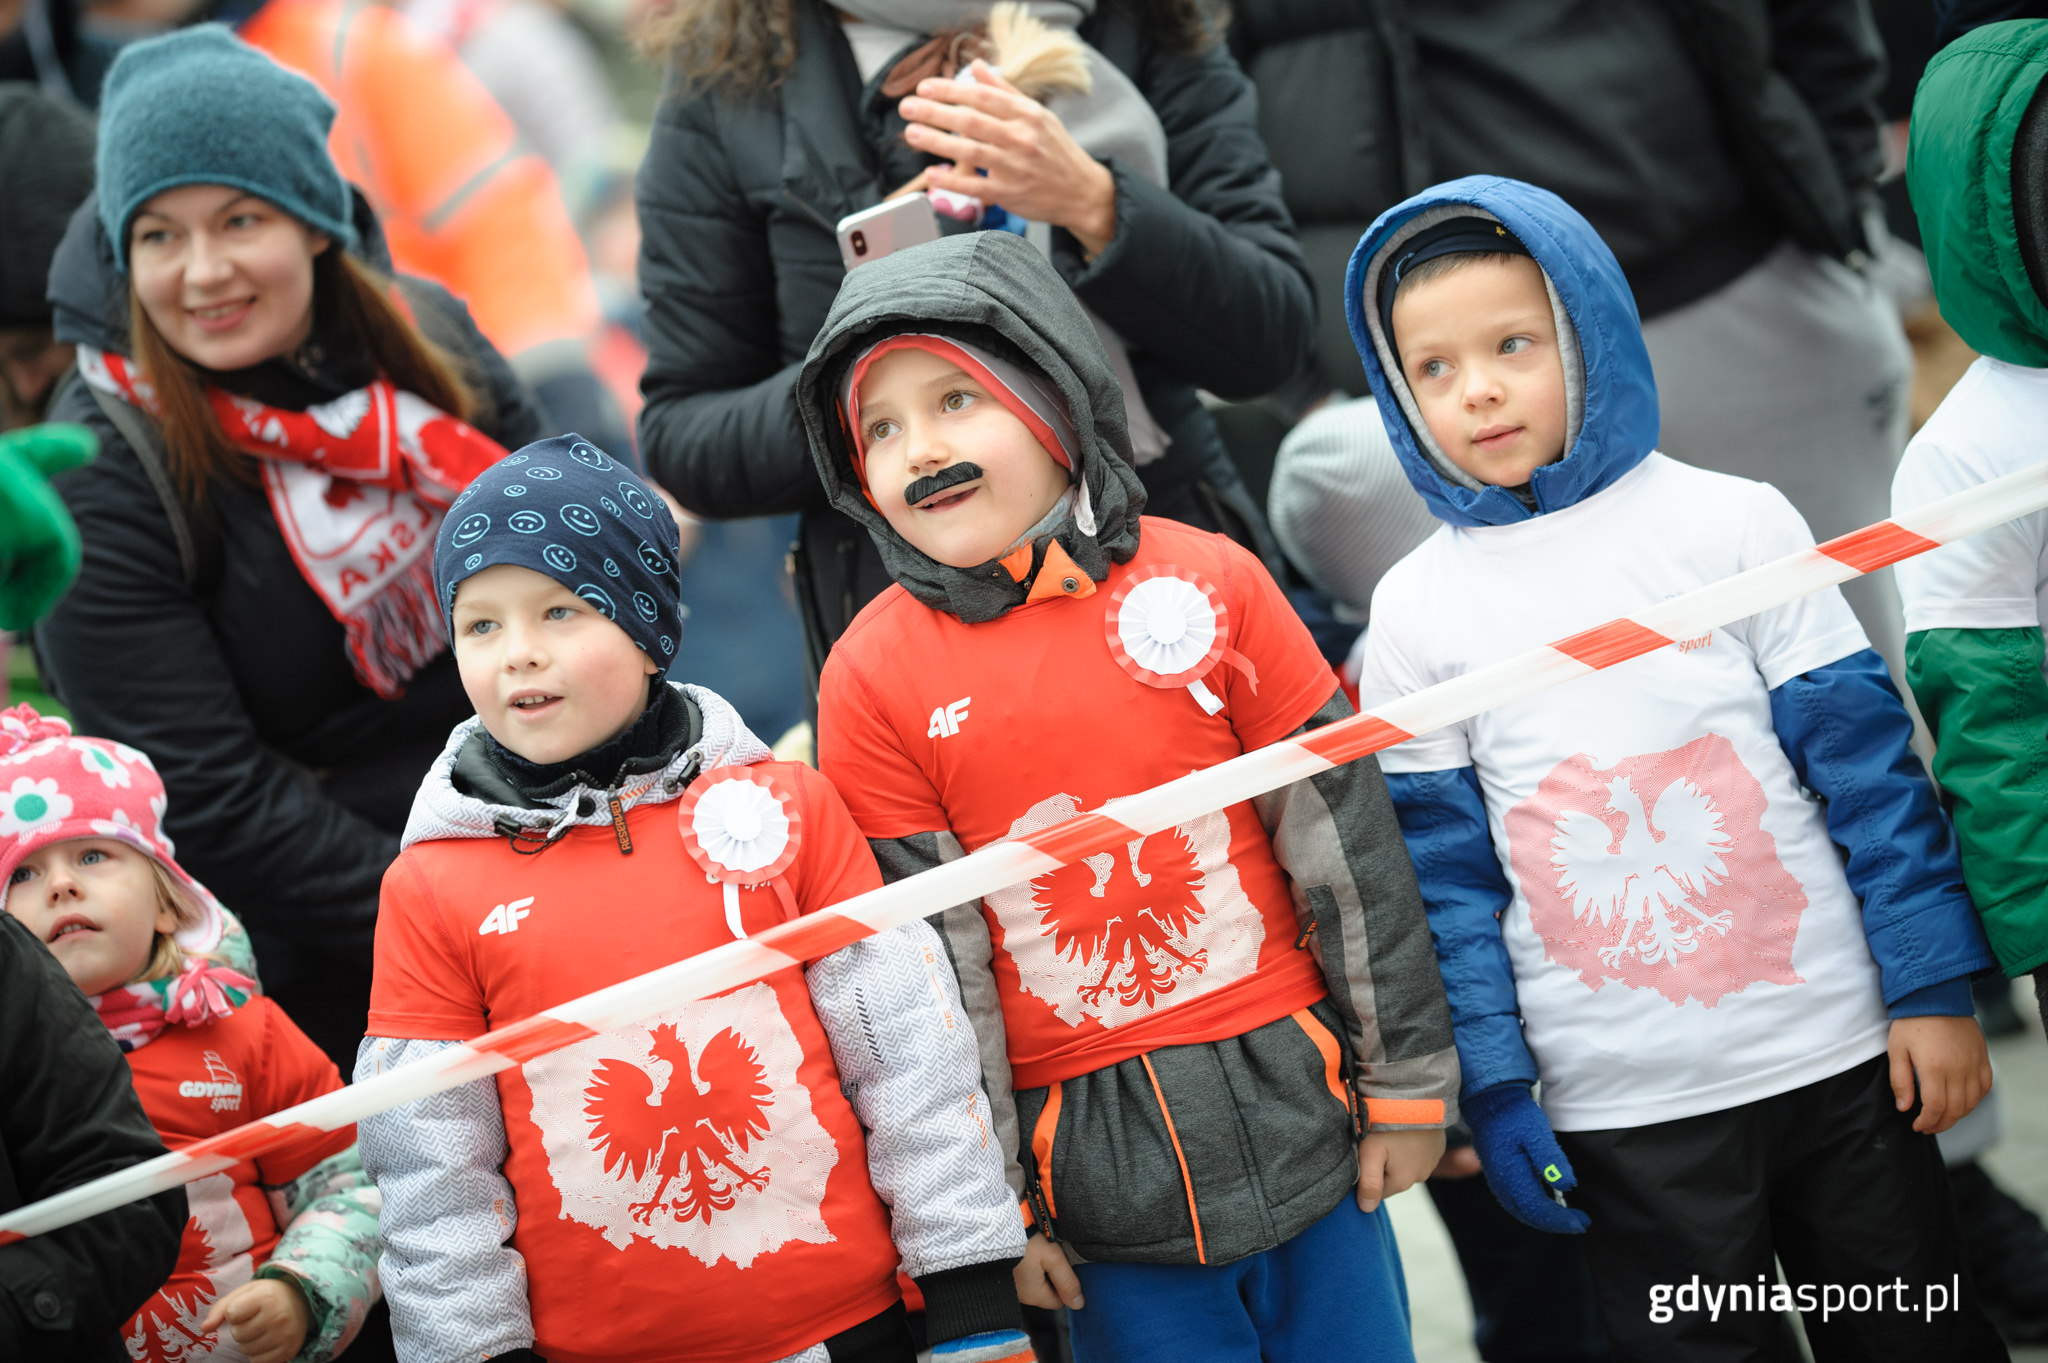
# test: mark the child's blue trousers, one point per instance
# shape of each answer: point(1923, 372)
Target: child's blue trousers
point(1333, 1292)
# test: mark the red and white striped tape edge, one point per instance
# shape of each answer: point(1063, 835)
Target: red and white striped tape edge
point(1009, 863)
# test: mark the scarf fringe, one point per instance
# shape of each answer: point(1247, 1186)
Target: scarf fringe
point(398, 631)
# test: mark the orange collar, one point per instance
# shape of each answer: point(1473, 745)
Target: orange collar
point(1058, 576)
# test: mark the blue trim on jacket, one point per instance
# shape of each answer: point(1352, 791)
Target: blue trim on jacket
point(1850, 742)
point(1847, 735)
point(1443, 818)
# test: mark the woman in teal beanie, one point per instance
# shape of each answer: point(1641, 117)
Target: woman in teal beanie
point(282, 425)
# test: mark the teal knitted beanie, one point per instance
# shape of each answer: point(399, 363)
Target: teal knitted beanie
point(202, 107)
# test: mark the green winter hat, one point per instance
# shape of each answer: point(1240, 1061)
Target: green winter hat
point(202, 107)
point(1981, 211)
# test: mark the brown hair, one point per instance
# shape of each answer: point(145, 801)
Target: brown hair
point(196, 447)
point(167, 958)
point(746, 46)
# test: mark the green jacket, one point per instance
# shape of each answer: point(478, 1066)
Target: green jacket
point(1982, 690)
point(1966, 115)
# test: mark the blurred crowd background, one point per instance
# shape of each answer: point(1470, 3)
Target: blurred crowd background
point(1744, 160)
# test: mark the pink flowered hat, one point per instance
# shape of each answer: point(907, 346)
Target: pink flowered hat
point(55, 786)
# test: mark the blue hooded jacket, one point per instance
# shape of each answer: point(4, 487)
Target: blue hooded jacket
point(1843, 726)
point(1615, 392)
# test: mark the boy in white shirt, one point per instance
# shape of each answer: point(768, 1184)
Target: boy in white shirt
point(1707, 897)
point(1975, 609)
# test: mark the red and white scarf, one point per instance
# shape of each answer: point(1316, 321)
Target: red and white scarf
point(358, 486)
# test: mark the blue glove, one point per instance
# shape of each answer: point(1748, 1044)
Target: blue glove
point(997, 1346)
point(1522, 1160)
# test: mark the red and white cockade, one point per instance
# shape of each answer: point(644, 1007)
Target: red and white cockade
point(742, 827)
point(1015, 861)
point(1170, 627)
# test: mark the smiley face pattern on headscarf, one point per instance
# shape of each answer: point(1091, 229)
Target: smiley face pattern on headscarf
point(566, 509)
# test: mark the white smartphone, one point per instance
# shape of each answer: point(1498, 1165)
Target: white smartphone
point(874, 232)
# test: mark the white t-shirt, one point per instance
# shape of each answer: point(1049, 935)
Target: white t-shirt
point(1683, 937)
point(1989, 425)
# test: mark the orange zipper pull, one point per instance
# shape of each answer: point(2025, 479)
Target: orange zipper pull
point(619, 824)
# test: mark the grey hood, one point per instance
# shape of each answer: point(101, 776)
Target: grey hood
point(995, 290)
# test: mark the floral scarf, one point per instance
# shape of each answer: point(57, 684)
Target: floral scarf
point(205, 991)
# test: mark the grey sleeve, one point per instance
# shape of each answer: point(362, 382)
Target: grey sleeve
point(964, 933)
point(908, 1064)
point(457, 1289)
point(1337, 837)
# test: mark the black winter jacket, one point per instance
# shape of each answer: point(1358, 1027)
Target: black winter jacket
point(70, 1116)
point(739, 198)
point(289, 780)
point(1693, 134)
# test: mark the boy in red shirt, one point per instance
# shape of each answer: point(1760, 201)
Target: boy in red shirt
point(737, 1179)
point(1199, 1044)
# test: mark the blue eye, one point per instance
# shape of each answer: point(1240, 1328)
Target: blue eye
point(1515, 345)
point(481, 626)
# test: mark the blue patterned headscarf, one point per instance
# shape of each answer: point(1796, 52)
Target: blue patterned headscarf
point(567, 510)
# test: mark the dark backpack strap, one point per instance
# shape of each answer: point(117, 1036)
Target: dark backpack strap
point(146, 440)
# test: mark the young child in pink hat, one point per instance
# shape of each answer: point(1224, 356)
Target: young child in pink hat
point(279, 1254)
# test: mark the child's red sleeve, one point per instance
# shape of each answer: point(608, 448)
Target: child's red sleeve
point(836, 864)
point(424, 987)
point(1294, 679)
point(293, 1071)
point(862, 755)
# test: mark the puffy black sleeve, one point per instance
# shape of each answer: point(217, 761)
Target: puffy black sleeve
point(720, 429)
point(1203, 274)
point(1831, 53)
point(71, 1115)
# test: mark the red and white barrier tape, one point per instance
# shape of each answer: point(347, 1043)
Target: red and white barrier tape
point(1009, 863)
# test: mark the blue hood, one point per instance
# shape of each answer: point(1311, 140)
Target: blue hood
point(1616, 413)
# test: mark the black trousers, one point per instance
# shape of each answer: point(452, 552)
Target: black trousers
point(1830, 1181)
point(1532, 1299)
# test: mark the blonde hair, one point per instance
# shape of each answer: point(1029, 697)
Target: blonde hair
point(1040, 60)
point(167, 959)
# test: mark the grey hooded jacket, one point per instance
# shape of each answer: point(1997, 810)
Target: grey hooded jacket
point(1266, 1153)
point(457, 1287)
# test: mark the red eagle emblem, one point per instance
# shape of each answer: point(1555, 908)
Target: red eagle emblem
point(702, 1125)
point(1126, 932)
point(1129, 918)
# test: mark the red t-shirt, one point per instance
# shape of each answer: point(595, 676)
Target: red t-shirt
point(998, 729)
point(726, 1217)
point(196, 1082)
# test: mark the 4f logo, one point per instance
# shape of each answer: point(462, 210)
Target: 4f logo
point(505, 917)
point(947, 719)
